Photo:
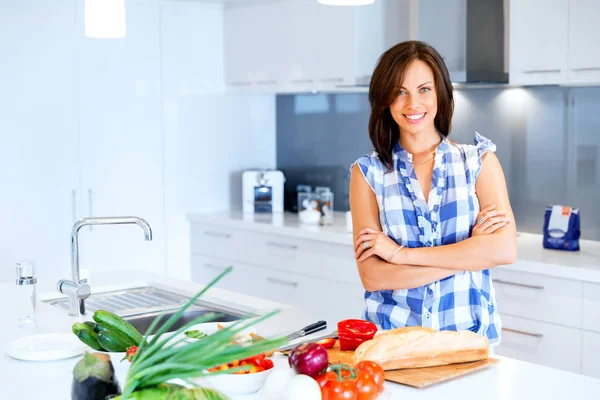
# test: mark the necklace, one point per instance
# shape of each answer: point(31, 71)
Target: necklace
point(425, 160)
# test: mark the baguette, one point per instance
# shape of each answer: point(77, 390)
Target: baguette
point(417, 347)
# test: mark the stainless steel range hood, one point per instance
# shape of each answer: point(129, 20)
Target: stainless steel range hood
point(471, 35)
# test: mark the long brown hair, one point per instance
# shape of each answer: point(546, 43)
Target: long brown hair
point(383, 90)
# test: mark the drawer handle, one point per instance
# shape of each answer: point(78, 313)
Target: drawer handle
point(215, 267)
point(283, 245)
point(332, 80)
point(585, 69)
point(302, 81)
point(282, 282)
point(537, 335)
point(218, 234)
point(518, 284)
point(542, 71)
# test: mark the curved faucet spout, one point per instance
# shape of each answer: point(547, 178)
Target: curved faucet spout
point(77, 305)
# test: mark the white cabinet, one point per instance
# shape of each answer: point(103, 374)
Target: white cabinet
point(591, 307)
point(541, 343)
point(584, 48)
point(121, 155)
point(38, 139)
point(591, 354)
point(299, 45)
point(539, 36)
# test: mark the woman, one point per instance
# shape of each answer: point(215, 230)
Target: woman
point(430, 216)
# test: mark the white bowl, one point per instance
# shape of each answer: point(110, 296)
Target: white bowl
point(239, 384)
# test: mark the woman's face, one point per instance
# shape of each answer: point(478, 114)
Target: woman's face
point(415, 107)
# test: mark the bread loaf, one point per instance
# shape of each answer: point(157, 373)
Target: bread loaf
point(416, 347)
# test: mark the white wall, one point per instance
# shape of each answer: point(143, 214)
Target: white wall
point(157, 95)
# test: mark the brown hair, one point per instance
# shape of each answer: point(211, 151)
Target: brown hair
point(383, 90)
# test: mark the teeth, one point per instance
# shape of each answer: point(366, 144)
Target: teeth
point(415, 116)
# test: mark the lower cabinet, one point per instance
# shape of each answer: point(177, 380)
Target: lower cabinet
point(541, 343)
point(329, 300)
point(591, 354)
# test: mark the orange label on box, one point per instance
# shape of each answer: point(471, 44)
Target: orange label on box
point(566, 211)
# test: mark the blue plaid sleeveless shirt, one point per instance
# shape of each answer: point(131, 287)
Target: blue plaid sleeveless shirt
point(462, 301)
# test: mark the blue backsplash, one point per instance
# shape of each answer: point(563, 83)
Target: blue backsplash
point(548, 142)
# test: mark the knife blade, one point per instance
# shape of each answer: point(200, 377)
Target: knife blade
point(288, 347)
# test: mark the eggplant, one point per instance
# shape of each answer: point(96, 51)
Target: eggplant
point(94, 378)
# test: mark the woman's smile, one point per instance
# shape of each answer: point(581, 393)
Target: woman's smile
point(414, 118)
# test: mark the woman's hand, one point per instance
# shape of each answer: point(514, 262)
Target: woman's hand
point(377, 243)
point(491, 220)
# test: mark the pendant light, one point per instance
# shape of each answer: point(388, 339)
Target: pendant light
point(346, 2)
point(105, 19)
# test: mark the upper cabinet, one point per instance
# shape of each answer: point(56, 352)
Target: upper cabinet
point(301, 45)
point(584, 51)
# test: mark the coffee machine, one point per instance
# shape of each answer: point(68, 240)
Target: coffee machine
point(262, 191)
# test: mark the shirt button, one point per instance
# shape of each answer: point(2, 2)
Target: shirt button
point(436, 208)
point(427, 315)
point(429, 291)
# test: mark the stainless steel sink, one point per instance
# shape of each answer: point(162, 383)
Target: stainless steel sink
point(141, 305)
point(142, 322)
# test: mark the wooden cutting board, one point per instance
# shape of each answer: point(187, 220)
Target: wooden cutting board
point(418, 377)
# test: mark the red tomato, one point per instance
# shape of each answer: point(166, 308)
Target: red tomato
point(339, 390)
point(324, 378)
point(267, 363)
point(375, 370)
point(365, 386)
point(327, 343)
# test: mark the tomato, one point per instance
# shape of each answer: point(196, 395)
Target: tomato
point(325, 377)
point(267, 364)
point(339, 390)
point(365, 386)
point(375, 370)
point(327, 343)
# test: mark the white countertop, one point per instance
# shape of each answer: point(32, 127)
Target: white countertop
point(510, 379)
point(583, 265)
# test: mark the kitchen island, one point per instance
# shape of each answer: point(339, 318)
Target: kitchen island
point(509, 379)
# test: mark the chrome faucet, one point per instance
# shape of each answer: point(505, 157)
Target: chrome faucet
point(77, 288)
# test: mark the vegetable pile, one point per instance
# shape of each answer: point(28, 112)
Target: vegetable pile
point(108, 332)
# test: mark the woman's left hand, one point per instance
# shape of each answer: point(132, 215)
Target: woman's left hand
point(377, 243)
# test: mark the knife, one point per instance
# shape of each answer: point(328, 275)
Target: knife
point(333, 335)
point(307, 330)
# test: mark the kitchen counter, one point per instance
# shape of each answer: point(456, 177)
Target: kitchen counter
point(583, 265)
point(510, 379)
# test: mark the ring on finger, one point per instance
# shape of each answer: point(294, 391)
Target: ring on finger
point(481, 220)
point(366, 245)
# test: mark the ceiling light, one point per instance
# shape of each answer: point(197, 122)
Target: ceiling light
point(346, 2)
point(105, 19)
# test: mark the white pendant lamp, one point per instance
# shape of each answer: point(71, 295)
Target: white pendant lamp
point(346, 2)
point(105, 19)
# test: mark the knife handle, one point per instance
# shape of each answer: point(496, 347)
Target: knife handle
point(312, 328)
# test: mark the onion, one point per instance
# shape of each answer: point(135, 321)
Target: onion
point(309, 359)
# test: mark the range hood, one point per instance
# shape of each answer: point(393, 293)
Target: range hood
point(471, 35)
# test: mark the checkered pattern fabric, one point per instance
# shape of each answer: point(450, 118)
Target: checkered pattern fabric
point(465, 300)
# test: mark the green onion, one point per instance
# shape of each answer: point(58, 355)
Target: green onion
point(159, 360)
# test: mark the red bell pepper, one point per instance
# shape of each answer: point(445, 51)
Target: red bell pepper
point(353, 332)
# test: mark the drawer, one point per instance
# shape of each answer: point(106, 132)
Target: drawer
point(285, 253)
point(541, 343)
point(542, 298)
point(591, 307)
point(332, 301)
point(591, 354)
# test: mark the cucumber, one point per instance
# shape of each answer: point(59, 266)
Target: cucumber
point(86, 335)
point(118, 324)
point(91, 324)
point(101, 327)
point(114, 341)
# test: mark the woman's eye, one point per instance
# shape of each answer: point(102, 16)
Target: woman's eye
point(425, 89)
point(401, 92)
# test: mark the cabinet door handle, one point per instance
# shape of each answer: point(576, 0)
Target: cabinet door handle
point(243, 83)
point(332, 80)
point(537, 335)
point(282, 282)
point(218, 234)
point(90, 204)
point(542, 71)
point(585, 69)
point(297, 81)
point(266, 82)
point(282, 245)
point(74, 205)
point(213, 266)
point(518, 284)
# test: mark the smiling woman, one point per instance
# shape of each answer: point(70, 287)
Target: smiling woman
point(430, 216)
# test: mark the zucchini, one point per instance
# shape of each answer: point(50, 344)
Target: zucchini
point(114, 341)
point(101, 327)
point(86, 335)
point(91, 324)
point(118, 324)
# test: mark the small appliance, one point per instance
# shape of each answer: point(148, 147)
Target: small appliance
point(262, 191)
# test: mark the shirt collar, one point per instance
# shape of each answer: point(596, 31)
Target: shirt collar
point(401, 153)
